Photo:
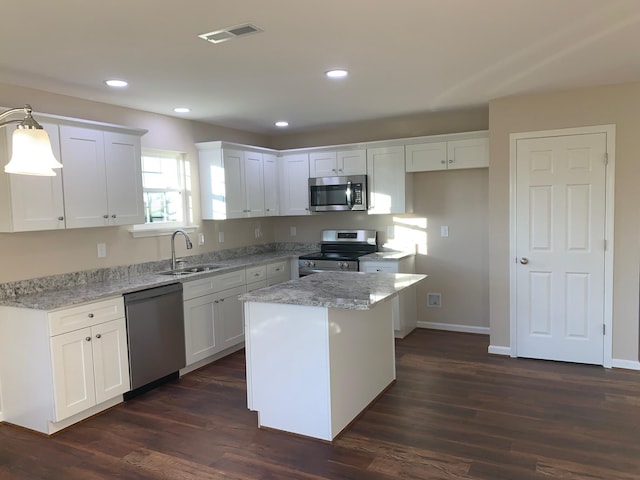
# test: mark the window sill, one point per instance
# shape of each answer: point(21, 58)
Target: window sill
point(142, 231)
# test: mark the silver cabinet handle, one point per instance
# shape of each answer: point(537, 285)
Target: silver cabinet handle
point(98, 335)
point(88, 339)
point(524, 260)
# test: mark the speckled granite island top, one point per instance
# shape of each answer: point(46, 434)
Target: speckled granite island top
point(349, 290)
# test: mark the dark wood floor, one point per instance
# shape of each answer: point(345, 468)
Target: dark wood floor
point(454, 413)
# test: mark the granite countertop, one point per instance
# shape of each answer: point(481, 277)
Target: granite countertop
point(390, 256)
point(349, 290)
point(76, 295)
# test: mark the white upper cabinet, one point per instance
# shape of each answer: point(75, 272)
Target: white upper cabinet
point(100, 183)
point(451, 154)
point(337, 163)
point(294, 188)
point(102, 177)
point(30, 202)
point(271, 184)
point(390, 188)
point(231, 182)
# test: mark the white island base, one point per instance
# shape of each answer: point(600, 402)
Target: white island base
point(312, 370)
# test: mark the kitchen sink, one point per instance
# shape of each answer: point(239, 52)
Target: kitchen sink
point(190, 270)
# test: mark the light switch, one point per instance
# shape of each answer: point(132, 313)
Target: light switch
point(221, 237)
point(201, 238)
point(102, 250)
point(444, 231)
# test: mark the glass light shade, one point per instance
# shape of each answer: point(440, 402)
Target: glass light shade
point(32, 154)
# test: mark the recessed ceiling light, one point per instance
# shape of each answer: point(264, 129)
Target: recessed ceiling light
point(116, 83)
point(282, 124)
point(337, 73)
point(182, 110)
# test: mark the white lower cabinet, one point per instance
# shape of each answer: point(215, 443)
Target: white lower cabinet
point(403, 309)
point(213, 314)
point(90, 366)
point(213, 318)
point(60, 367)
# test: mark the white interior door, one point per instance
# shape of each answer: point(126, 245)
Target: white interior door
point(560, 247)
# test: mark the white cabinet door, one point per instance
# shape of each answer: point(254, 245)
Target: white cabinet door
point(229, 314)
point(73, 377)
point(85, 185)
point(233, 188)
point(271, 201)
point(294, 189)
point(340, 163)
point(110, 359)
point(323, 164)
point(201, 337)
point(473, 153)
point(124, 178)
point(352, 162)
point(37, 202)
point(389, 187)
point(253, 184)
point(425, 157)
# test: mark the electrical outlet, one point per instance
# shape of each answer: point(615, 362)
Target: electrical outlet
point(102, 250)
point(434, 300)
point(258, 232)
point(221, 237)
point(292, 231)
point(444, 231)
point(390, 231)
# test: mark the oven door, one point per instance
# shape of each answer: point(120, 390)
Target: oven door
point(334, 194)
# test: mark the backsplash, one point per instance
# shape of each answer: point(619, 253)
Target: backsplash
point(73, 279)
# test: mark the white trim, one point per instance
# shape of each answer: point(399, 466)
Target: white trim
point(626, 364)
point(499, 350)
point(610, 131)
point(451, 327)
point(142, 231)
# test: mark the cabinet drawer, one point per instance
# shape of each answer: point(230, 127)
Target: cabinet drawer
point(230, 280)
point(276, 269)
point(83, 316)
point(389, 267)
point(256, 274)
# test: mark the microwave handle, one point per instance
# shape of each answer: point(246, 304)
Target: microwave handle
point(349, 200)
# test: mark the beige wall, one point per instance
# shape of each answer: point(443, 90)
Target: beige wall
point(458, 266)
point(615, 104)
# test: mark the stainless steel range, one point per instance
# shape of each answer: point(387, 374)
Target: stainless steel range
point(339, 251)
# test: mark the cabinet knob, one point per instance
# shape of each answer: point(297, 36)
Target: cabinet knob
point(60, 218)
point(450, 161)
point(98, 335)
point(113, 216)
point(88, 339)
point(90, 315)
point(105, 216)
point(442, 162)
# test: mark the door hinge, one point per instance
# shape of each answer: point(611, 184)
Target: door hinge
point(606, 158)
point(604, 329)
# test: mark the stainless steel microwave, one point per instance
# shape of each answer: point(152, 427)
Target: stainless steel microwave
point(337, 194)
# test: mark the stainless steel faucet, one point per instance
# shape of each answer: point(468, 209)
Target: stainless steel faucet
point(173, 246)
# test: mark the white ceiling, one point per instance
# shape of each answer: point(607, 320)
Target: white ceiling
point(405, 56)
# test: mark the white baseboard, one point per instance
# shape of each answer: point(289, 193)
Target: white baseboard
point(454, 328)
point(498, 350)
point(626, 364)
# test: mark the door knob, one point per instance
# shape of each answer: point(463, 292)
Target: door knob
point(524, 260)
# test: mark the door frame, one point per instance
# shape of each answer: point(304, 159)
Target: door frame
point(610, 131)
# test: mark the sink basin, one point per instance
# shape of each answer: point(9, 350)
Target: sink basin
point(190, 270)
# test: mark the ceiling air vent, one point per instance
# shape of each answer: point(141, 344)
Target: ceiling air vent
point(228, 33)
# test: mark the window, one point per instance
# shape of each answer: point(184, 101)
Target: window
point(166, 186)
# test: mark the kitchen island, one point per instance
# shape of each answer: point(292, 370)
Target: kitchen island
point(320, 349)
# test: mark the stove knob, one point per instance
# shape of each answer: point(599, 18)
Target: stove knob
point(344, 265)
point(310, 263)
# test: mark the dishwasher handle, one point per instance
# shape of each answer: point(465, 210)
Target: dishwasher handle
point(152, 292)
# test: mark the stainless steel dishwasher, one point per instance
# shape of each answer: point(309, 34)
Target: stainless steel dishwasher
point(155, 331)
